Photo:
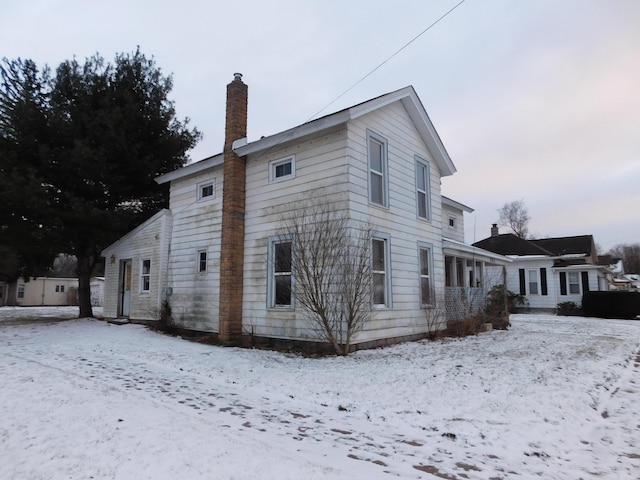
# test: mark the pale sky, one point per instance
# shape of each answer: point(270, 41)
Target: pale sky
point(534, 99)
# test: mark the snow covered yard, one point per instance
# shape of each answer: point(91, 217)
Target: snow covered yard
point(553, 397)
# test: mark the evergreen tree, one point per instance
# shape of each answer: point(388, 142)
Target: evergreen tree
point(95, 137)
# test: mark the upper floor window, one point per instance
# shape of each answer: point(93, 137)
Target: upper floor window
point(282, 169)
point(206, 190)
point(377, 153)
point(280, 273)
point(423, 190)
point(380, 271)
point(452, 221)
point(145, 275)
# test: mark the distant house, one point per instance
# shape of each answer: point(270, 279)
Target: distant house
point(43, 291)
point(218, 258)
point(549, 271)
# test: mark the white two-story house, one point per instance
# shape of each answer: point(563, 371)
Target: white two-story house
point(210, 256)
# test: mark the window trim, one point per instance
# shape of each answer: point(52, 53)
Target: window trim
point(388, 303)
point(429, 248)
point(372, 136)
point(145, 275)
point(419, 161)
point(452, 222)
point(20, 291)
point(274, 164)
point(199, 269)
point(202, 185)
point(271, 278)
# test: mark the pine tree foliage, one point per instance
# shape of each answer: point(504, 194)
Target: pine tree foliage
point(80, 150)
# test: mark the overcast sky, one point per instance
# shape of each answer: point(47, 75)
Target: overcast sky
point(536, 100)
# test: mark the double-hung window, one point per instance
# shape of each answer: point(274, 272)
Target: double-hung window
point(280, 273)
point(533, 282)
point(145, 275)
point(425, 265)
point(574, 282)
point(377, 153)
point(21, 291)
point(380, 272)
point(201, 261)
point(423, 191)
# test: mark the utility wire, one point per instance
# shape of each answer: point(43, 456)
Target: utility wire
point(385, 61)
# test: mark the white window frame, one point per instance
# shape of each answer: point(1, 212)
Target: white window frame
point(421, 162)
point(145, 287)
point(422, 246)
point(535, 281)
point(199, 259)
point(383, 174)
point(21, 290)
point(271, 284)
point(205, 185)
point(388, 298)
point(273, 167)
point(570, 283)
point(452, 222)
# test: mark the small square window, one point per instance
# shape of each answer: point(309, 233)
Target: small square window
point(282, 169)
point(206, 190)
point(452, 222)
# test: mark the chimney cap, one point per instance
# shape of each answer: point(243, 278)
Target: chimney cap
point(237, 76)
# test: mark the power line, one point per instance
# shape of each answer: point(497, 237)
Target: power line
point(385, 61)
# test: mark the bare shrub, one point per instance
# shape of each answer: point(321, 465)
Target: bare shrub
point(331, 268)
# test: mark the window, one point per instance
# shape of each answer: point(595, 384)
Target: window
point(206, 190)
point(145, 275)
point(423, 193)
point(380, 272)
point(60, 288)
point(574, 282)
point(21, 291)
point(57, 288)
point(282, 169)
point(201, 261)
point(452, 221)
point(280, 273)
point(377, 151)
point(424, 261)
point(533, 282)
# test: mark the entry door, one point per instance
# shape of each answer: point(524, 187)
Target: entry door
point(125, 292)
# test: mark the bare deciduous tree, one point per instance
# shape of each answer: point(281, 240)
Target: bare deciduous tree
point(331, 268)
point(515, 216)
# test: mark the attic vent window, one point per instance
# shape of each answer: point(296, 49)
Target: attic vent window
point(206, 190)
point(282, 169)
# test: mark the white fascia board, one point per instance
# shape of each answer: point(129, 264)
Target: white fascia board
point(295, 133)
point(583, 266)
point(192, 168)
point(455, 248)
point(105, 251)
point(460, 206)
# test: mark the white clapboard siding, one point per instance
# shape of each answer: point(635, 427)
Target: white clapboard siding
point(457, 231)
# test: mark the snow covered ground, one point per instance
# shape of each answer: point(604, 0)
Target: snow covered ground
point(553, 398)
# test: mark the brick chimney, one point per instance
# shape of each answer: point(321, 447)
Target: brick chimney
point(494, 230)
point(233, 209)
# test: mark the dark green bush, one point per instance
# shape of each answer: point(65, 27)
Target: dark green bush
point(568, 309)
point(613, 304)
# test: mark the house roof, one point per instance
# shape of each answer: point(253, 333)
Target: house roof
point(406, 95)
point(142, 226)
point(573, 249)
point(454, 247)
point(452, 203)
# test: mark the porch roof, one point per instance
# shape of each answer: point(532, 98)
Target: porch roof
point(458, 249)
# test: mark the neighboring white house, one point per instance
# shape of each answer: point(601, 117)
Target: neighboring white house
point(549, 271)
point(380, 162)
point(45, 291)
